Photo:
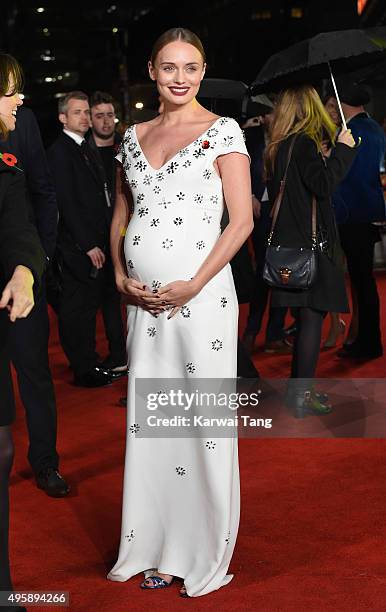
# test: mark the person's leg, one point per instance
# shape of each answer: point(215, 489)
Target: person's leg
point(112, 318)
point(29, 354)
point(77, 322)
point(307, 342)
point(358, 243)
point(6, 460)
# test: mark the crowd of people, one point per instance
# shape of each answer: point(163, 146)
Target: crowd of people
point(151, 229)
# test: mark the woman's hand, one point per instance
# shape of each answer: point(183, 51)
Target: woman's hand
point(176, 294)
point(18, 295)
point(138, 294)
point(346, 138)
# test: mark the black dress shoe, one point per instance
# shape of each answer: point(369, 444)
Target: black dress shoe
point(353, 351)
point(115, 372)
point(97, 377)
point(52, 482)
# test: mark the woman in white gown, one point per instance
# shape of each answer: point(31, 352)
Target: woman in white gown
point(181, 496)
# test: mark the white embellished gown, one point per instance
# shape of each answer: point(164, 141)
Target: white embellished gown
point(181, 496)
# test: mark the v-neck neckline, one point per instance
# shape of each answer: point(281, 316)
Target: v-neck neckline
point(179, 150)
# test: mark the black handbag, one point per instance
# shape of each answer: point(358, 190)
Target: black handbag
point(290, 267)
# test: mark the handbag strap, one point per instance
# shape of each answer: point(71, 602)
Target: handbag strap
point(279, 198)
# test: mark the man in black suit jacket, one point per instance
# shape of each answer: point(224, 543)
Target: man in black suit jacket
point(29, 337)
point(83, 237)
point(104, 142)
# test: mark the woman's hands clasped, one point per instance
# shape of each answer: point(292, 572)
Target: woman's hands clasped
point(170, 297)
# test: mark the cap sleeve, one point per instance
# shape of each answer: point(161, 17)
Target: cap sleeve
point(230, 139)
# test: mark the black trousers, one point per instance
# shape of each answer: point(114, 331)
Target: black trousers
point(80, 302)
point(358, 240)
point(28, 342)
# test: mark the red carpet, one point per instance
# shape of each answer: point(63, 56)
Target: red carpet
point(313, 525)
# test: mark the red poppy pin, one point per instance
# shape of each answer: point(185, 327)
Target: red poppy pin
point(10, 160)
point(205, 144)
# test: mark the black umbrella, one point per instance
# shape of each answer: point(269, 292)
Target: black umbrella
point(316, 58)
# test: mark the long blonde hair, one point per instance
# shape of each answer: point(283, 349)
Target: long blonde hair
point(298, 110)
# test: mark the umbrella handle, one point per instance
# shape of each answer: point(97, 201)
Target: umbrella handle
point(337, 97)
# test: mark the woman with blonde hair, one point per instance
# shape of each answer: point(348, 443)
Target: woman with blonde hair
point(301, 120)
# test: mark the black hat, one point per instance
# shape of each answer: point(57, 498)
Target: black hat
point(353, 94)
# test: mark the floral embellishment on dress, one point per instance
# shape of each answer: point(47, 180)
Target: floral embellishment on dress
point(198, 153)
point(227, 141)
point(214, 199)
point(185, 312)
point(131, 146)
point(212, 132)
point(184, 152)
point(190, 367)
point(154, 223)
point(151, 331)
point(133, 184)
point(187, 163)
point(180, 196)
point(160, 176)
point(155, 285)
point(143, 211)
point(157, 189)
point(140, 197)
point(180, 471)
point(216, 345)
point(167, 244)
point(198, 198)
point(136, 240)
point(223, 302)
point(172, 167)
point(205, 144)
point(210, 445)
point(133, 429)
point(164, 203)
point(207, 217)
point(140, 165)
point(136, 154)
point(147, 179)
point(207, 174)
point(130, 264)
point(200, 245)
point(227, 539)
point(224, 120)
point(130, 537)
point(178, 221)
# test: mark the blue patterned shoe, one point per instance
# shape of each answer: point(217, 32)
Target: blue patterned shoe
point(156, 582)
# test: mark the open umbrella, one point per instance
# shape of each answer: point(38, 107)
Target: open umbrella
point(329, 53)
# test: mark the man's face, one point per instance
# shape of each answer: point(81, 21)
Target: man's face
point(103, 120)
point(77, 117)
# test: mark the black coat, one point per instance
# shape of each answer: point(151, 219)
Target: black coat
point(19, 245)
point(310, 173)
point(26, 144)
point(83, 212)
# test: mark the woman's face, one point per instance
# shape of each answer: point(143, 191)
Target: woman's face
point(178, 71)
point(8, 106)
point(331, 107)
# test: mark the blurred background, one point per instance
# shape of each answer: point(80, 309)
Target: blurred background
point(105, 45)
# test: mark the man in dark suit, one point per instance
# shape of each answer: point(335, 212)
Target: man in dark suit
point(104, 142)
point(83, 238)
point(29, 337)
point(359, 202)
